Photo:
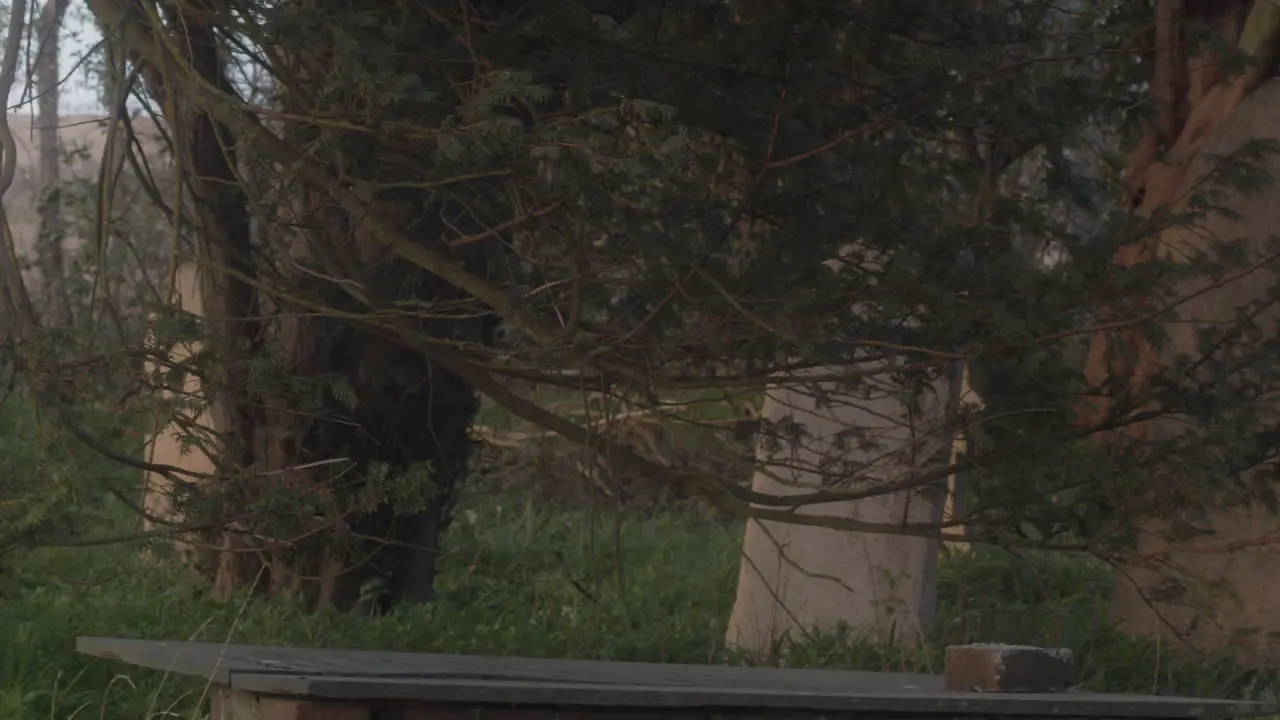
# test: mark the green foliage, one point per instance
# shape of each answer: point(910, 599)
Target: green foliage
point(654, 194)
point(657, 191)
point(51, 490)
point(122, 271)
point(530, 583)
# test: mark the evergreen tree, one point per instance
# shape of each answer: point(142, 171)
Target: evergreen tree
point(652, 194)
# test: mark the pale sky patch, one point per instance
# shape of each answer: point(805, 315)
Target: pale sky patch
point(79, 94)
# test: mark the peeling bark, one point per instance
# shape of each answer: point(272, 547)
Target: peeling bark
point(1213, 594)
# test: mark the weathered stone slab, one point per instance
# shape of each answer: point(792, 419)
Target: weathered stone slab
point(261, 683)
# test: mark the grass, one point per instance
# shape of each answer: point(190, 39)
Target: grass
point(692, 407)
point(518, 579)
point(522, 582)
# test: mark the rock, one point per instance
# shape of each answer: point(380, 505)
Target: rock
point(1007, 668)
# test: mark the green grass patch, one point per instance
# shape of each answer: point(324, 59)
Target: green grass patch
point(521, 582)
point(689, 407)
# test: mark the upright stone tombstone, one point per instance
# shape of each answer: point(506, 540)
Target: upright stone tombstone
point(796, 579)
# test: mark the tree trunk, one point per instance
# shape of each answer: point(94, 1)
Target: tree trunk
point(394, 419)
point(795, 580)
point(229, 302)
point(166, 446)
point(338, 452)
point(1213, 592)
point(57, 300)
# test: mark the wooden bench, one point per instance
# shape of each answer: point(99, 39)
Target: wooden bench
point(273, 683)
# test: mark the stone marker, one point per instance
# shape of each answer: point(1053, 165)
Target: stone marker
point(798, 579)
point(1007, 668)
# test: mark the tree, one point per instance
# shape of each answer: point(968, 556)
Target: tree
point(797, 579)
point(1204, 548)
point(653, 195)
point(52, 268)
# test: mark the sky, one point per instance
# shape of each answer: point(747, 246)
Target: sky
point(78, 95)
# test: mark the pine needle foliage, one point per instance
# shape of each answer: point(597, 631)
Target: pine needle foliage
point(657, 198)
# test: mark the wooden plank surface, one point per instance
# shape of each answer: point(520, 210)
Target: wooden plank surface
point(521, 681)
